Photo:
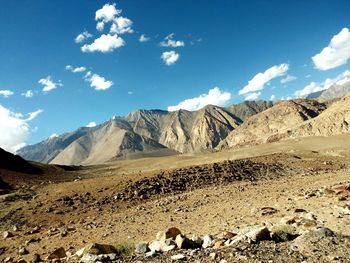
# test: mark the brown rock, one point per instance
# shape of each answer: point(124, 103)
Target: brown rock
point(169, 233)
point(58, 253)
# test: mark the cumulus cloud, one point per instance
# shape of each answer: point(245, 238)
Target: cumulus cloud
point(91, 124)
point(170, 57)
point(316, 87)
point(337, 52)
point(273, 97)
point(170, 42)
point(105, 43)
point(98, 82)
point(121, 25)
point(107, 13)
point(253, 96)
point(82, 37)
point(214, 97)
point(49, 84)
point(28, 94)
point(6, 93)
point(75, 70)
point(143, 38)
point(259, 80)
point(14, 128)
point(288, 78)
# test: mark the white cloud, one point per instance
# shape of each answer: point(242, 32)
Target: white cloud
point(169, 42)
point(170, 57)
point(28, 94)
point(130, 92)
point(252, 96)
point(98, 82)
point(100, 26)
point(49, 84)
point(91, 124)
point(273, 97)
point(316, 87)
point(14, 129)
point(107, 13)
point(337, 52)
point(214, 97)
point(6, 93)
point(105, 43)
point(288, 78)
point(82, 37)
point(121, 25)
point(144, 38)
point(75, 70)
point(259, 80)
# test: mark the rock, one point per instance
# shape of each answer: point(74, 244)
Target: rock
point(58, 253)
point(141, 247)
point(257, 233)
point(8, 259)
point(183, 242)
point(268, 211)
point(218, 244)
point(178, 257)
point(288, 220)
point(96, 249)
point(154, 245)
point(197, 240)
point(207, 241)
point(89, 258)
point(7, 234)
point(299, 210)
point(21, 260)
point(282, 233)
point(309, 216)
point(171, 232)
point(22, 251)
point(151, 253)
point(227, 235)
point(36, 258)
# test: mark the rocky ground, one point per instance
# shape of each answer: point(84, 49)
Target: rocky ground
point(284, 207)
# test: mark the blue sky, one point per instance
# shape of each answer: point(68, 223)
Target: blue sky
point(213, 52)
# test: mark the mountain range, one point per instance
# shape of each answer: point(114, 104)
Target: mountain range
point(144, 133)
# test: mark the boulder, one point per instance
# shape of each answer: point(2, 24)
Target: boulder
point(96, 249)
point(171, 232)
point(154, 245)
point(183, 242)
point(141, 247)
point(58, 253)
point(257, 233)
point(207, 241)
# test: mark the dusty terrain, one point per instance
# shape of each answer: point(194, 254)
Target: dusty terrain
point(124, 202)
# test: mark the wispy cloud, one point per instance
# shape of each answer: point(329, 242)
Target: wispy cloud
point(288, 78)
point(214, 97)
point(253, 96)
point(337, 52)
point(75, 70)
point(82, 37)
point(170, 57)
point(91, 124)
point(170, 42)
point(143, 38)
point(6, 93)
point(48, 84)
point(258, 82)
point(28, 94)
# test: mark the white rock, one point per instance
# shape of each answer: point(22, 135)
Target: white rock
point(207, 241)
point(178, 257)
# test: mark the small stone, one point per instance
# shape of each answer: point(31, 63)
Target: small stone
point(213, 255)
point(154, 245)
point(207, 241)
point(141, 247)
point(96, 249)
point(178, 257)
point(227, 235)
point(257, 233)
point(8, 259)
point(58, 253)
point(7, 234)
point(196, 239)
point(183, 242)
point(36, 258)
point(22, 251)
point(218, 244)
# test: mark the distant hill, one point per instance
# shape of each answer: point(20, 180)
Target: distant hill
point(144, 132)
point(333, 92)
point(266, 126)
